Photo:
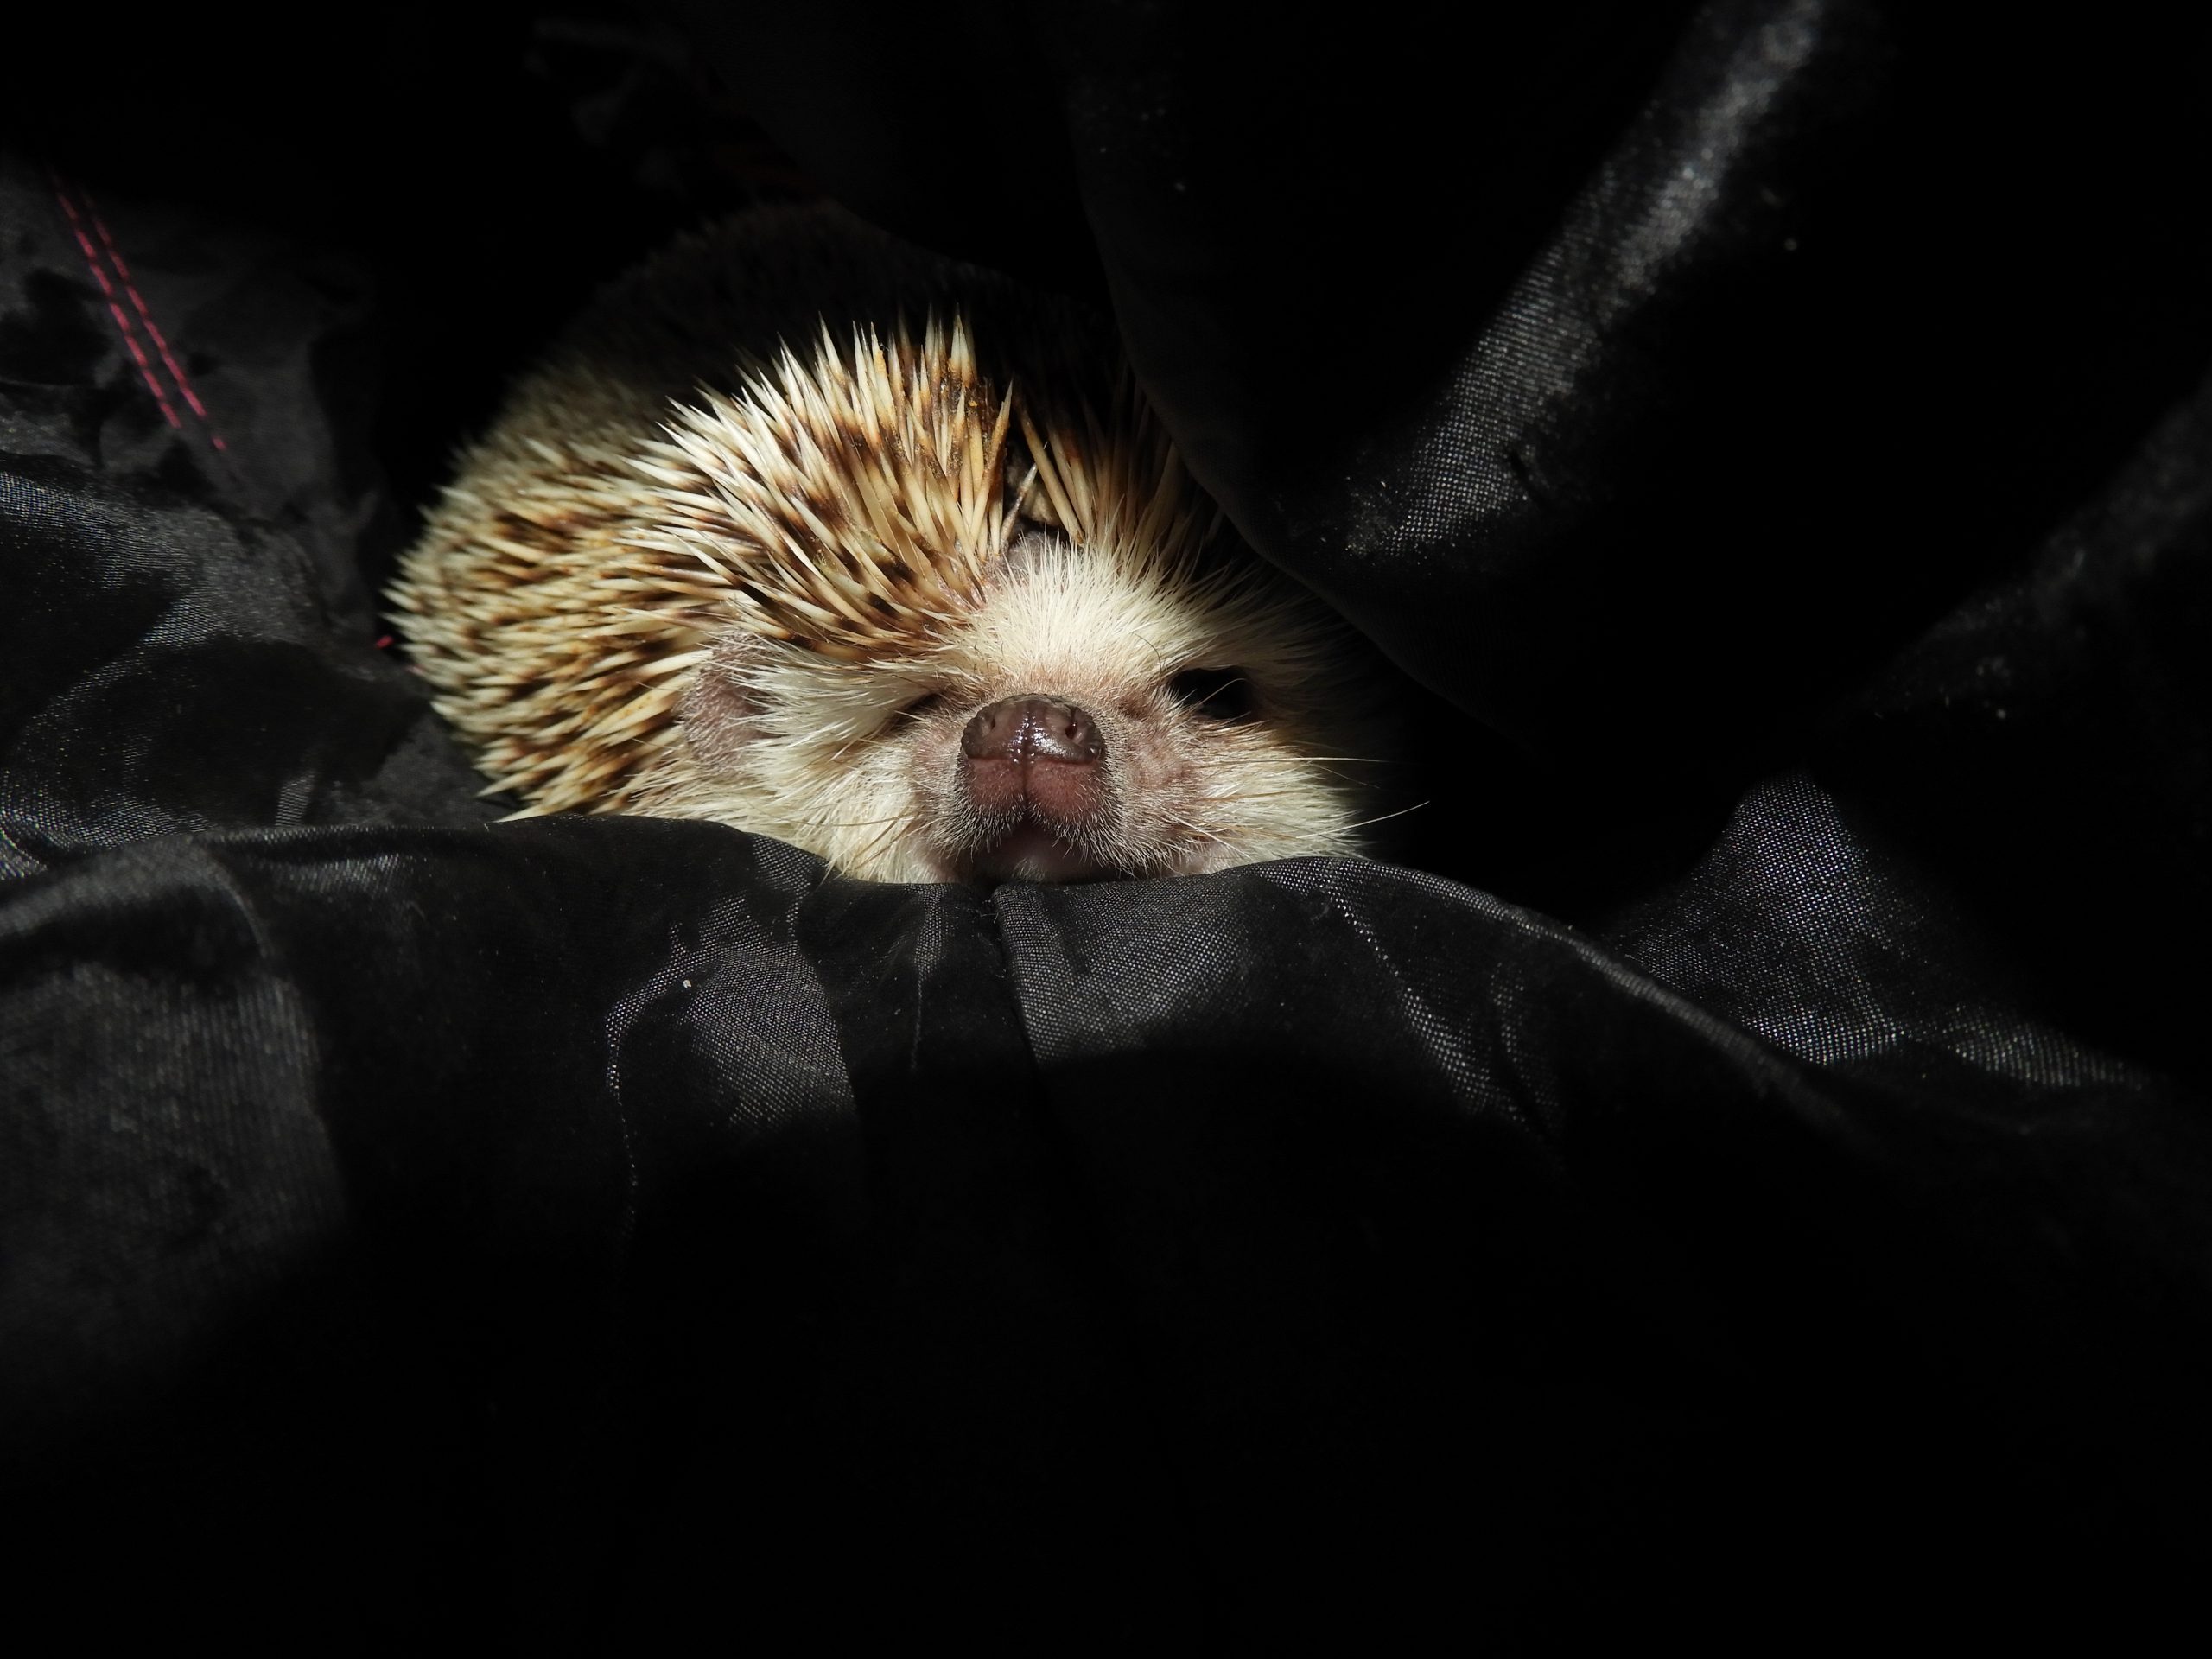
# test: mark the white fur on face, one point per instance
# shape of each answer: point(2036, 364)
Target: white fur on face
point(712, 562)
point(861, 762)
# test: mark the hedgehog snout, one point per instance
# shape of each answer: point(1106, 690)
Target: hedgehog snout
point(1035, 758)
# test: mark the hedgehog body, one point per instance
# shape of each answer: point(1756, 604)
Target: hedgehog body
point(807, 532)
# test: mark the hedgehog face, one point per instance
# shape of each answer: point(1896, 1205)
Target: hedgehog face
point(1094, 714)
point(931, 613)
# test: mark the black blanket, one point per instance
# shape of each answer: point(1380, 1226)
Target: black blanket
point(1751, 1180)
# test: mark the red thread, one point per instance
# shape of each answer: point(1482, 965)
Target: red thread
point(122, 322)
point(138, 303)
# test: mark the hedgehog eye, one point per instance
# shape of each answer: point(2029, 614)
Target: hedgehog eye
point(920, 706)
point(1216, 693)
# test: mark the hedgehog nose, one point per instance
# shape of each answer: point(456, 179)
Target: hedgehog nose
point(1035, 758)
point(1026, 729)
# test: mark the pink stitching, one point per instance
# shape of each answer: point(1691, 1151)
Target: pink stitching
point(176, 371)
point(122, 322)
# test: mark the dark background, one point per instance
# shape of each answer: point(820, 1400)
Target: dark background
point(1745, 1177)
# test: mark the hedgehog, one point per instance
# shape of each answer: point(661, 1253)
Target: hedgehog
point(803, 530)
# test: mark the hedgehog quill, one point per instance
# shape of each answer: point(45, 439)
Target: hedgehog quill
point(802, 531)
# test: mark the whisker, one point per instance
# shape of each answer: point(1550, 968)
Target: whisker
point(1383, 817)
point(877, 839)
point(1348, 783)
point(1196, 829)
point(859, 823)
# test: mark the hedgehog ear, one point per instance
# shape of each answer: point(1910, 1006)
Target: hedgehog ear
point(1027, 545)
point(720, 711)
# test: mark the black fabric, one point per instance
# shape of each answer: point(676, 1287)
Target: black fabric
point(1755, 1184)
